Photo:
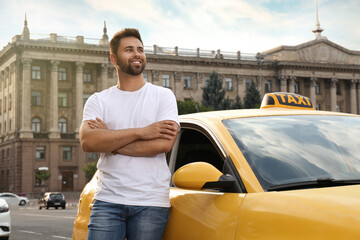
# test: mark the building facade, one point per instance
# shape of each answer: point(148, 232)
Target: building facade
point(44, 84)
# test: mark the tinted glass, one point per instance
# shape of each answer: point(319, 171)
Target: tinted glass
point(56, 196)
point(289, 149)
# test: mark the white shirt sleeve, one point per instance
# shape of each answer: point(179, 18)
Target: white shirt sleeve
point(92, 108)
point(167, 106)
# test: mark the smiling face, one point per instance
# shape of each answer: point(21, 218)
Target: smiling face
point(130, 57)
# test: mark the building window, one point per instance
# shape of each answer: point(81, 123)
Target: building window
point(93, 156)
point(268, 86)
point(62, 125)
point(85, 98)
point(296, 87)
point(36, 125)
point(228, 84)
point(317, 107)
point(36, 72)
point(248, 83)
point(40, 153)
point(166, 80)
point(67, 153)
point(338, 90)
point(145, 75)
point(62, 74)
point(5, 104)
point(62, 100)
point(187, 82)
point(317, 88)
point(0, 106)
point(207, 81)
point(87, 75)
point(36, 98)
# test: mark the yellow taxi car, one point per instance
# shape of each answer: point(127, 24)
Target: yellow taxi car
point(284, 171)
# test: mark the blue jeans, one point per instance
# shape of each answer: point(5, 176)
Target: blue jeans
point(109, 221)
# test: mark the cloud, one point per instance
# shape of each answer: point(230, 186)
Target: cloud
point(229, 25)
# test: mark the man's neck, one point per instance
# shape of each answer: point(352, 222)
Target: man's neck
point(130, 83)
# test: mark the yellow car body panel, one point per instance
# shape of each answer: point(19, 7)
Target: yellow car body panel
point(325, 213)
point(199, 215)
point(320, 213)
point(85, 204)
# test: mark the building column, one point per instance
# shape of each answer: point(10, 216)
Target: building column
point(358, 96)
point(79, 95)
point(2, 119)
point(25, 126)
point(292, 84)
point(54, 131)
point(353, 104)
point(283, 84)
point(333, 99)
point(104, 76)
point(313, 82)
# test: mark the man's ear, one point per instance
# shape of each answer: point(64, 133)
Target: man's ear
point(113, 59)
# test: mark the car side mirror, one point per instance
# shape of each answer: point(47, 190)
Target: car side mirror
point(201, 175)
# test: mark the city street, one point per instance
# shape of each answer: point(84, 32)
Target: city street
point(29, 223)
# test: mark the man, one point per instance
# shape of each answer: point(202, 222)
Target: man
point(132, 124)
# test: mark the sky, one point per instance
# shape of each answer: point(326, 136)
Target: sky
point(249, 26)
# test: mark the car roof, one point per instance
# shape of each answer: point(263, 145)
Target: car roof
point(8, 193)
point(219, 116)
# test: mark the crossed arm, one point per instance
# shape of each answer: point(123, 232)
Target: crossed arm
point(156, 138)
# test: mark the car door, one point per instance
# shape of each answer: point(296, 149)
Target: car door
point(201, 214)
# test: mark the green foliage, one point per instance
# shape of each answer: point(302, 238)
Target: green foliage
point(90, 169)
point(226, 104)
point(238, 103)
point(189, 106)
point(252, 98)
point(213, 93)
point(41, 176)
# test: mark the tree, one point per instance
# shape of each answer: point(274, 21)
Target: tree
point(213, 93)
point(90, 169)
point(238, 103)
point(189, 106)
point(226, 104)
point(252, 97)
point(41, 176)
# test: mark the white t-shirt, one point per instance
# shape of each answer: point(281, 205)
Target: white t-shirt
point(142, 181)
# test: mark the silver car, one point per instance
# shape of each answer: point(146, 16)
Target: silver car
point(13, 199)
point(5, 221)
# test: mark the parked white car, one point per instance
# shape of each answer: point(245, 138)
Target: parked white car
point(5, 221)
point(13, 199)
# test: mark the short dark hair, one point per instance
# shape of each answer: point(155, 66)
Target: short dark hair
point(126, 32)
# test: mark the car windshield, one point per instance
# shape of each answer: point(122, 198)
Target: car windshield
point(291, 149)
point(56, 196)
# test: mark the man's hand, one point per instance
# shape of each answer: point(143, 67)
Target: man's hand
point(164, 129)
point(98, 123)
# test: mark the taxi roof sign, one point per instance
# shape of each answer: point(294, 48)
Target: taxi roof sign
point(286, 100)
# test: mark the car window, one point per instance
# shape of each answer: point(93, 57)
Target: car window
point(7, 195)
point(56, 196)
point(290, 149)
point(196, 147)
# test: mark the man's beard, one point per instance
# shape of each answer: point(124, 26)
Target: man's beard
point(129, 69)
